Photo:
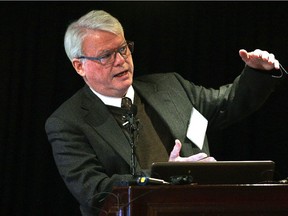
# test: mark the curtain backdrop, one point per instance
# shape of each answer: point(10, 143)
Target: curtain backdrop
point(199, 40)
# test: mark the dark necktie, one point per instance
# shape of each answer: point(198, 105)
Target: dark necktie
point(126, 103)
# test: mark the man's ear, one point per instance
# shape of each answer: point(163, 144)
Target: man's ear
point(78, 65)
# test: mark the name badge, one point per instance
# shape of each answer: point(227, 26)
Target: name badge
point(197, 128)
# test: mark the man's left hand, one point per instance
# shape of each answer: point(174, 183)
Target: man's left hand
point(259, 59)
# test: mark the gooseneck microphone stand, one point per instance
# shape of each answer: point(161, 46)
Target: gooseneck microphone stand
point(131, 123)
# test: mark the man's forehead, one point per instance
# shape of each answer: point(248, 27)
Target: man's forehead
point(103, 40)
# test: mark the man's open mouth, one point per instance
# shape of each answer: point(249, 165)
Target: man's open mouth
point(121, 74)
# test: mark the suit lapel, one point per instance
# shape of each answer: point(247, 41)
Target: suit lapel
point(172, 112)
point(175, 113)
point(172, 104)
point(99, 117)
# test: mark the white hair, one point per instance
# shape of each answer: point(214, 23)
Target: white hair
point(94, 20)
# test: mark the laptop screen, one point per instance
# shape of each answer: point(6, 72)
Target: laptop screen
point(220, 172)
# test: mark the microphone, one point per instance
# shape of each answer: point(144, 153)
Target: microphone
point(133, 110)
point(131, 123)
point(130, 116)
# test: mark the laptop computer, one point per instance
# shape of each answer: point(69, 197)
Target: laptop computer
point(220, 172)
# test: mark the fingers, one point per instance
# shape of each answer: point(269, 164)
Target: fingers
point(243, 54)
point(208, 159)
point(175, 155)
point(259, 59)
point(197, 157)
point(277, 65)
point(264, 55)
point(200, 157)
point(270, 57)
point(176, 151)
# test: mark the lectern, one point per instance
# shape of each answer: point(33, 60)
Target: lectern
point(198, 200)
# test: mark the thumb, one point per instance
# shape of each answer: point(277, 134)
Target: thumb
point(244, 55)
point(176, 150)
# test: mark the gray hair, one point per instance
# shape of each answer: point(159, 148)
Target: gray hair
point(94, 20)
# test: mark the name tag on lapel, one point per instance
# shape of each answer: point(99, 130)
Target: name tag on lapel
point(197, 128)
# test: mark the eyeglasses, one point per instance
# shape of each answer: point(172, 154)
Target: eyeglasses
point(109, 57)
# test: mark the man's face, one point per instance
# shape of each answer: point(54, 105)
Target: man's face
point(112, 79)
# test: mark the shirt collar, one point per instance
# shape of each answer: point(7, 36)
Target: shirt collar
point(114, 101)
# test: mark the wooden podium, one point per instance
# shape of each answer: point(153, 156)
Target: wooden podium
point(198, 200)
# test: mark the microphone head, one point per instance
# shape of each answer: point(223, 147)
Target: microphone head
point(133, 109)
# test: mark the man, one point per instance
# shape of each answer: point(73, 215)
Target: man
point(91, 144)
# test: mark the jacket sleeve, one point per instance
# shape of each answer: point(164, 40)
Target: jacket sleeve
point(232, 102)
point(84, 175)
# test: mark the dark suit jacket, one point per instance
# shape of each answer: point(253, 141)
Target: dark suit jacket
point(91, 151)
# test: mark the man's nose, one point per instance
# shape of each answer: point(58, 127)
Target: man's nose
point(119, 59)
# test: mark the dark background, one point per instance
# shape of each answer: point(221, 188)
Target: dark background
point(199, 40)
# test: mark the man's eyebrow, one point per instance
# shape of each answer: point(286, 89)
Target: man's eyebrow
point(109, 50)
